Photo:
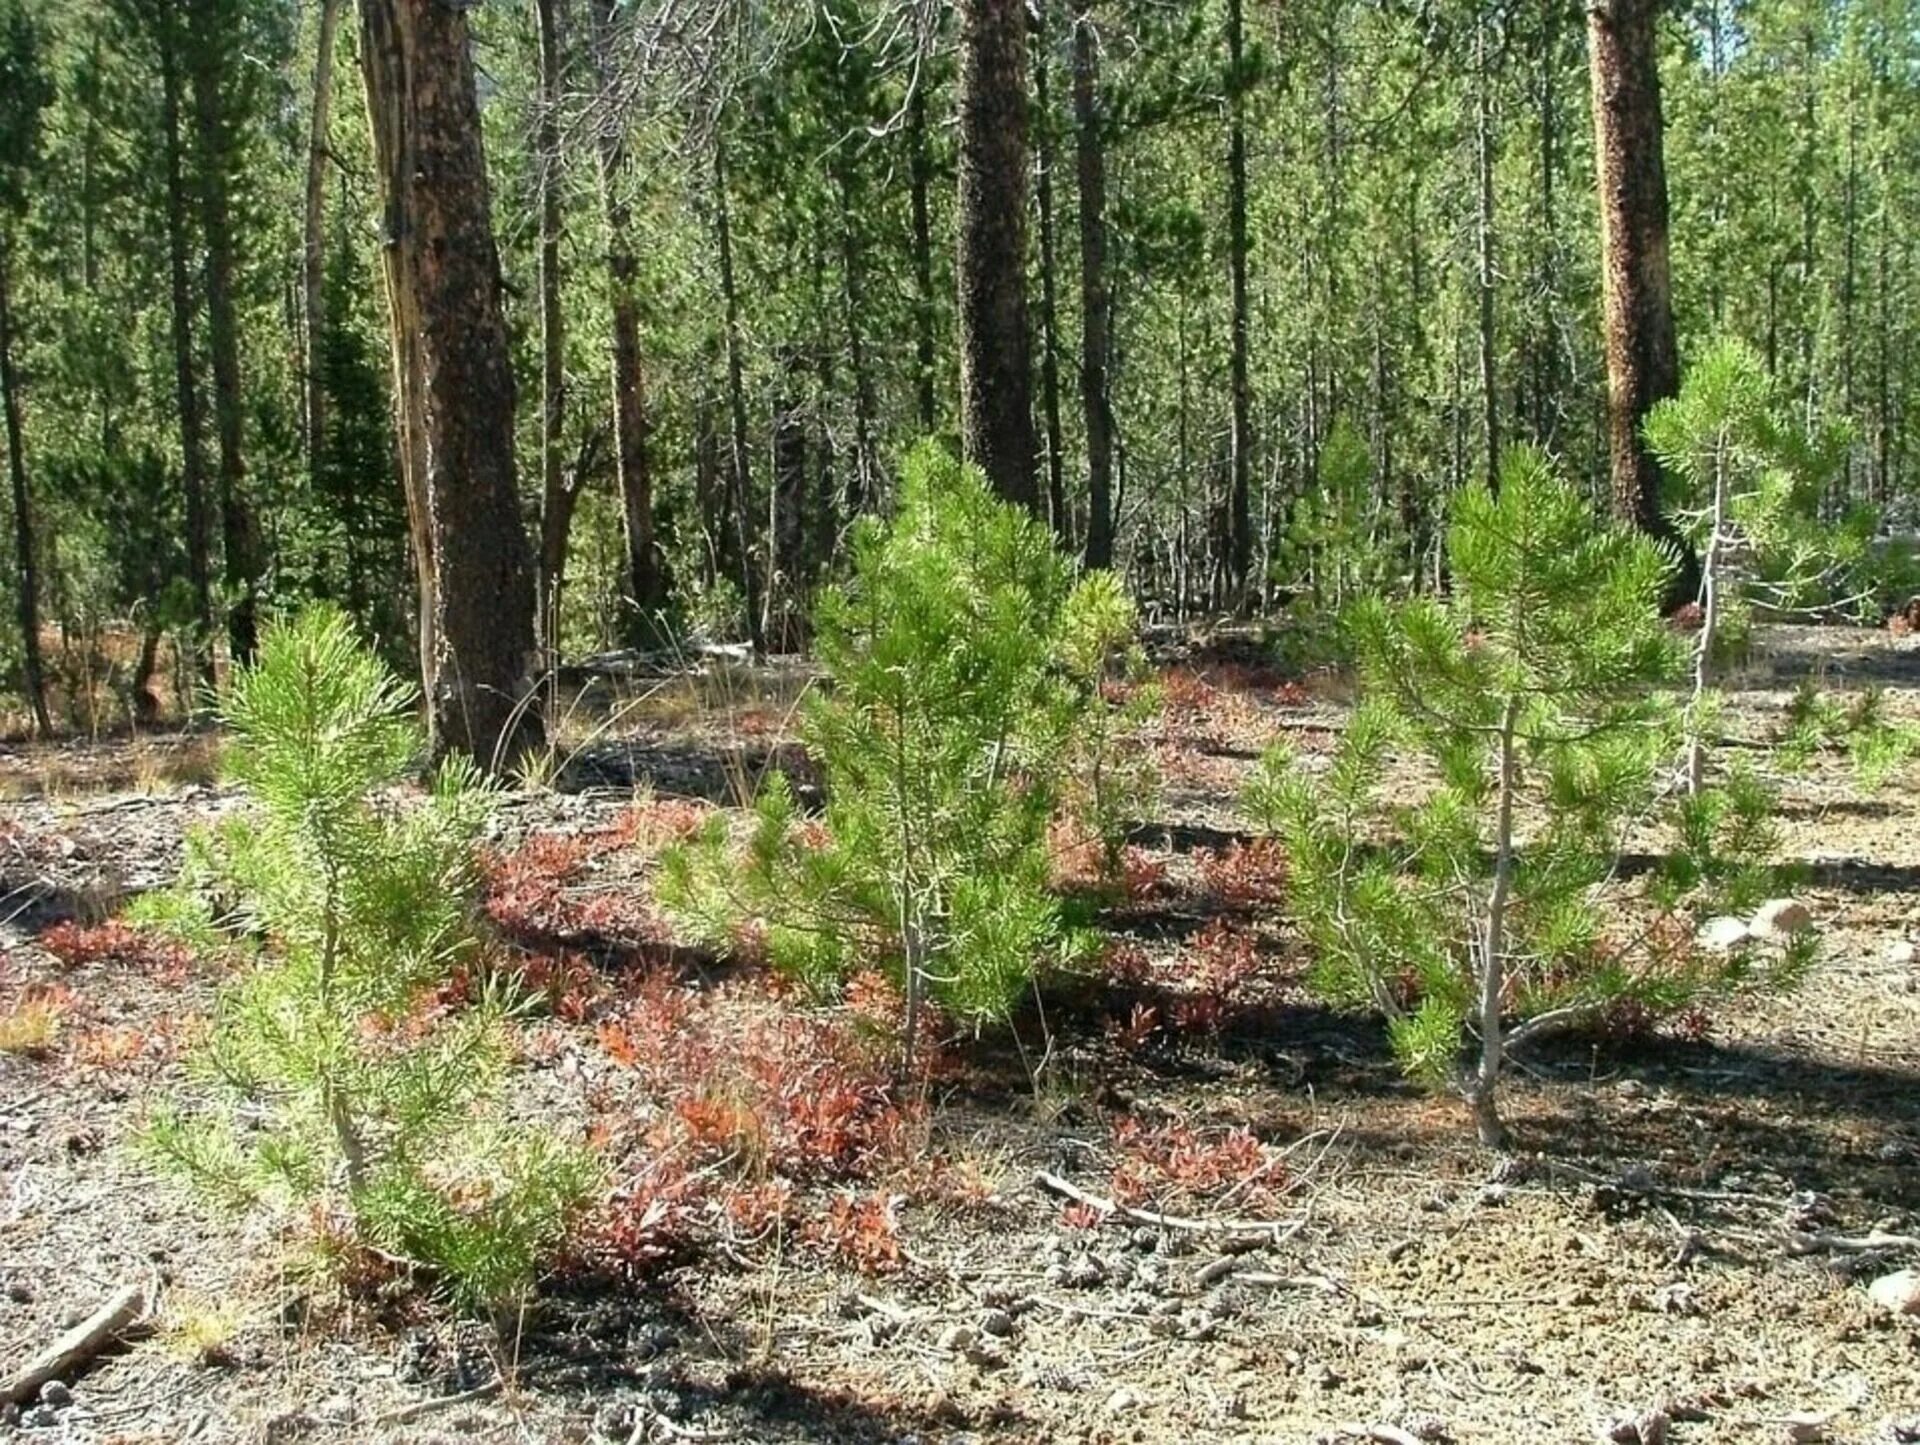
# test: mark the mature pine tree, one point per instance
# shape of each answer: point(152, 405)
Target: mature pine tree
point(1090, 159)
point(455, 386)
point(1642, 362)
point(996, 381)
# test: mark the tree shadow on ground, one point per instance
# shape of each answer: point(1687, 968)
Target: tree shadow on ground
point(633, 1355)
point(726, 773)
point(1712, 1110)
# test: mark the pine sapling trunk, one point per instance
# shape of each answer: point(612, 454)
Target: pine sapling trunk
point(1710, 566)
point(1481, 1085)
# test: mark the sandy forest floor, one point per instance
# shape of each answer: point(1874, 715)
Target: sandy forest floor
point(1669, 1236)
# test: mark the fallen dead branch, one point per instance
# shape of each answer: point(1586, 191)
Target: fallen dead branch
point(68, 1354)
point(1800, 1242)
point(1279, 1231)
point(1383, 1434)
point(420, 1409)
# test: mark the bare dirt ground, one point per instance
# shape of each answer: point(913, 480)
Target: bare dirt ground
point(1317, 1250)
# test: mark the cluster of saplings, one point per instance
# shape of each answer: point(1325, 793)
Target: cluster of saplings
point(1456, 861)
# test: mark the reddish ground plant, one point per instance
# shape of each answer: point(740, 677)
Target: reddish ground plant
point(863, 1229)
point(79, 945)
point(1156, 1161)
point(1244, 875)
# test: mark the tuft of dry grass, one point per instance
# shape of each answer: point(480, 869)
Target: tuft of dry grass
point(32, 1026)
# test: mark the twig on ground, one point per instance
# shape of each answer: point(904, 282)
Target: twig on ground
point(1278, 1230)
point(421, 1408)
point(77, 1347)
point(1799, 1242)
point(1384, 1434)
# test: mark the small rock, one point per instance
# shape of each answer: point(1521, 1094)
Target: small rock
point(56, 1394)
point(1649, 1427)
point(39, 1417)
point(1124, 1401)
point(1901, 953)
point(1722, 935)
point(1494, 1195)
point(957, 1339)
point(997, 1323)
point(1897, 1293)
point(1781, 918)
point(1806, 1428)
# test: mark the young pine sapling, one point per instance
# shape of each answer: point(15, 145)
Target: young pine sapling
point(346, 908)
point(1466, 903)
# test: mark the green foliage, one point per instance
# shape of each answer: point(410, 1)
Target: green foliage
point(1817, 721)
point(346, 907)
point(965, 707)
point(1476, 895)
point(1340, 544)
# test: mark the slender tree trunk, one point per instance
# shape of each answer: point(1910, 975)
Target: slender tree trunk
point(864, 481)
point(313, 270)
point(1239, 509)
point(556, 501)
point(787, 511)
point(193, 462)
point(1049, 290)
point(1095, 300)
point(737, 402)
point(632, 430)
point(1642, 364)
point(920, 185)
point(240, 539)
point(1483, 164)
point(996, 382)
point(453, 382)
point(26, 578)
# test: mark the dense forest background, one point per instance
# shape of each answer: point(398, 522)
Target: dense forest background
point(728, 237)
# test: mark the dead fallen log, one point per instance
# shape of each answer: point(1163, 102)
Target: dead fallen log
point(72, 1351)
point(1276, 1230)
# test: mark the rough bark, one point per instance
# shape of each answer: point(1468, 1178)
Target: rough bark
point(313, 253)
point(996, 382)
point(26, 579)
point(1642, 363)
point(452, 380)
point(1095, 301)
point(1239, 509)
point(241, 547)
point(1049, 290)
point(1484, 274)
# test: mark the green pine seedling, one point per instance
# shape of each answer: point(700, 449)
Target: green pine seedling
point(342, 905)
point(1744, 488)
point(1474, 917)
point(965, 706)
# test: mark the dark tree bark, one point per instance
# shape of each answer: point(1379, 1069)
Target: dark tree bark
point(1239, 507)
point(242, 563)
point(453, 382)
point(313, 253)
point(1642, 364)
point(556, 484)
point(1049, 289)
point(1484, 277)
point(1095, 301)
point(632, 430)
point(26, 578)
point(996, 381)
point(863, 479)
point(168, 40)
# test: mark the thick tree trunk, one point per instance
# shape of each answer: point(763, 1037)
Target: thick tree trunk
point(633, 470)
point(26, 578)
point(1049, 291)
point(1095, 302)
point(241, 547)
point(1642, 364)
point(453, 381)
point(1240, 387)
point(556, 501)
point(313, 253)
point(193, 461)
point(996, 382)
